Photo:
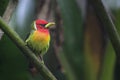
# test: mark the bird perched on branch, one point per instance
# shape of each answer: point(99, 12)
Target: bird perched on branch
point(39, 38)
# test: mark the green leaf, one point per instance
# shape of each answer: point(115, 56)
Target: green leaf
point(12, 63)
point(107, 72)
point(73, 39)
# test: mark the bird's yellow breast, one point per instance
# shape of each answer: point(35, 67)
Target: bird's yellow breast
point(41, 37)
point(39, 42)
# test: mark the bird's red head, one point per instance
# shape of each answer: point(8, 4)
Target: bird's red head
point(40, 23)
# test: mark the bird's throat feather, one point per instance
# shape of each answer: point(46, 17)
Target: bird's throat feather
point(41, 36)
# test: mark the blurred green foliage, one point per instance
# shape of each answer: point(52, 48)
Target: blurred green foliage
point(73, 36)
point(13, 65)
point(108, 66)
point(116, 18)
point(3, 5)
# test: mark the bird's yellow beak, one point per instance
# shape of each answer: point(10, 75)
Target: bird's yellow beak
point(50, 24)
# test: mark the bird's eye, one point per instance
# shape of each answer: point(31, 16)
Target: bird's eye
point(42, 25)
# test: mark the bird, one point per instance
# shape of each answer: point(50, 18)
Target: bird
point(39, 39)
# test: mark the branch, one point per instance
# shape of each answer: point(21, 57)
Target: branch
point(26, 51)
point(108, 24)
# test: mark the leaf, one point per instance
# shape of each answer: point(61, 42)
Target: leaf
point(73, 39)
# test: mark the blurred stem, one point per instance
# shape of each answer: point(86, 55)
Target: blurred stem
point(27, 52)
point(108, 24)
point(9, 10)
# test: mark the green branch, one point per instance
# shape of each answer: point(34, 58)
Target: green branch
point(27, 52)
point(107, 22)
